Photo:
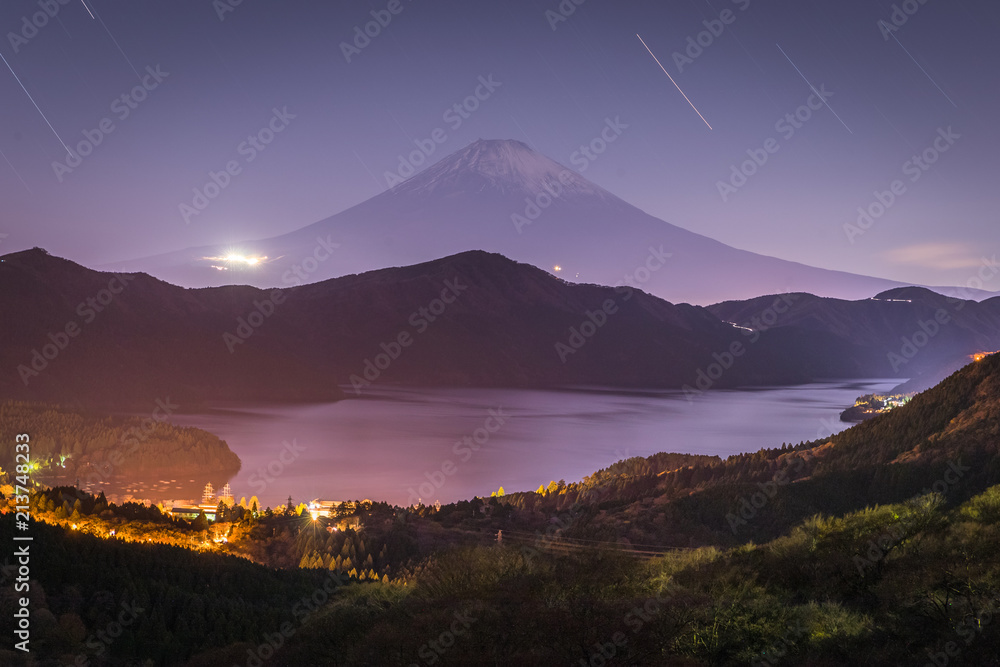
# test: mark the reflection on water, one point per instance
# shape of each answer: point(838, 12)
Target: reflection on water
point(450, 444)
point(119, 488)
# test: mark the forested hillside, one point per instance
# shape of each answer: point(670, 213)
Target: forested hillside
point(88, 446)
point(874, 547)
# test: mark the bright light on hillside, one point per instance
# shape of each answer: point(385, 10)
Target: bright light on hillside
point(236, 258)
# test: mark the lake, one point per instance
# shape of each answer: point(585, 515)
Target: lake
point(401, 445)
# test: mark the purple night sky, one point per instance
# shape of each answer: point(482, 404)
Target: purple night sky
point(893, 95)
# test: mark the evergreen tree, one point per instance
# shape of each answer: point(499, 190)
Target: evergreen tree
point(200, 523)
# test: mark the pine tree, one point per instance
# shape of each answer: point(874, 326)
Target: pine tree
point(200, 523)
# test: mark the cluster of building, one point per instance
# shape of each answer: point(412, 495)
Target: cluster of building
point(876, 403)
point(317, 509)
point(209, 504)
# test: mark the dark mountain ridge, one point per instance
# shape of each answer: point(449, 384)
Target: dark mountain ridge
point(76, 336)
point(469, 319)
point(911, 331)
point(473, 319)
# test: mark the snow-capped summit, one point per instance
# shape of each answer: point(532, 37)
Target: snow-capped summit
point(502, 165)
point(501, 196)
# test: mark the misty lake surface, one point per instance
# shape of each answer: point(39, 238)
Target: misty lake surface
point(399, 445)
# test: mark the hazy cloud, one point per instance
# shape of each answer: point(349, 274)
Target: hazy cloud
point(940, 255)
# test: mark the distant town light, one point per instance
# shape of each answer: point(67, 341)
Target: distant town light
point(236, 258)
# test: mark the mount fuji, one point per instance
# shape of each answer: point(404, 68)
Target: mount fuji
point(502, 196)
